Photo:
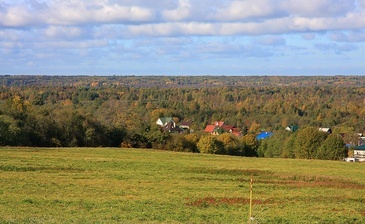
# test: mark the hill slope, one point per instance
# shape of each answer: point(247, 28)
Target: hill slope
point(90, 185)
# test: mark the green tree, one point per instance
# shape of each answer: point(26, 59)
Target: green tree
point(307, 142)
point(9, 130)
point(288, 151)
point(115, 136)
point(333, 148)
point(262, 149)
point(275, 145)
point(40, 130)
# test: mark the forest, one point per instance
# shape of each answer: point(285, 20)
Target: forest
point(121, 111)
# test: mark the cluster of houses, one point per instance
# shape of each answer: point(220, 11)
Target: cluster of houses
point(359, 149)
point(168, 124)
point(220, 127)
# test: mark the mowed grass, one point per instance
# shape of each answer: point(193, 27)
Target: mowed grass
point(108, 185)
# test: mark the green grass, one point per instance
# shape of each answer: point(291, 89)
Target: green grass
point(106, 185)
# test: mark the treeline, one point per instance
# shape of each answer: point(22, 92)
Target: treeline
point(181, 81)
point(83, 116)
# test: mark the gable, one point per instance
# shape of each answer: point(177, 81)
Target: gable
point(162, 121)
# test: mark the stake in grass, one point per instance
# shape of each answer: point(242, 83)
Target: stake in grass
point(251, 219)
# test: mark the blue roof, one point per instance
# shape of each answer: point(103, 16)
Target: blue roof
point(264, 135)
point(361, 147)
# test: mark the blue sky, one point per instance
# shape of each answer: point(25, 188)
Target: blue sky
point(182, 37)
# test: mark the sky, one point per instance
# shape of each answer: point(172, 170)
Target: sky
point(182, 37)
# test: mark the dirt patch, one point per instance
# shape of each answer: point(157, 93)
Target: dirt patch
point(312, 181)
point(232, 172)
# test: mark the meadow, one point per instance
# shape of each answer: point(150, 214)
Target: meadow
point(112, 185)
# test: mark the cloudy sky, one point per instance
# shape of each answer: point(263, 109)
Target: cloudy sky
point(182, 37)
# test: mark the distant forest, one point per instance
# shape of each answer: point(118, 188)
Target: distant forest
point(65, 111)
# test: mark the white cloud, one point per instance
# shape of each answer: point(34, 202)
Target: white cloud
point(71, 12)
point(238, 10)
point(96, 12)
point(187, 17)
point(16, 16)
point(318, 8)
point(72, 44)
point(183, 11)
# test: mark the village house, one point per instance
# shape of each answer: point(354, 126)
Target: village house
point(168, 124)
point(162, 121)
point(219, 127)
point(185, 125)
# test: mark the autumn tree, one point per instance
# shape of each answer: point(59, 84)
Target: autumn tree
point(182, 143)
point(192, 141)
point(251, 144)
point(210, 145)
point(231, 144)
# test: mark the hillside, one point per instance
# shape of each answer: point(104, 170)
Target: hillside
point(92, 185)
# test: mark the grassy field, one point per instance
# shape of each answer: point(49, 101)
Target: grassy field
point(105, 185)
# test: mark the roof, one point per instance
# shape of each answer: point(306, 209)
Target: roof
point(236, 131)
point(169, 127)
point(328, 130)
point(185, 124)
point(219, 123)
point(227, 127)
point(361, 147)
point(209, 128)
point(292, 128)
point(164, 120)
point(264, 135)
